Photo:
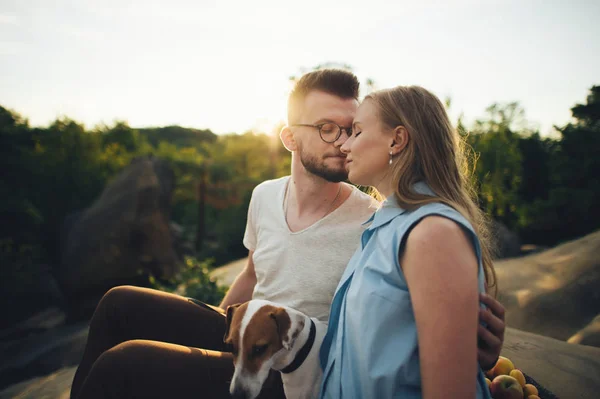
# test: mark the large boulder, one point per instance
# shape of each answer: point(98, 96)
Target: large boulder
point(24, 290)
point(507, 243)
point(556, 292)
point(39, 354)
point(589, 335)
point(566, 370)
point(125, 233)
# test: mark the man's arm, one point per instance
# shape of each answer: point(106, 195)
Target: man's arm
point(490, 338)
point(243, 286)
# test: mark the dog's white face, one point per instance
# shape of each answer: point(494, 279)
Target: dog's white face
point(260, 333)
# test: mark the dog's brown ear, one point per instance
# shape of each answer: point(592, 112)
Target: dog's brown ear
point(284, 323)
point(230, 310)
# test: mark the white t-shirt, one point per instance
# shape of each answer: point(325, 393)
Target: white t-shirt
point(302, 269)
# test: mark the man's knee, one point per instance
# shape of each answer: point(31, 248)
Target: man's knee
point(117, 294)
point(111, 371)
point(113, 304)
point(111, 364)
point(122, 357)
point(116, 297)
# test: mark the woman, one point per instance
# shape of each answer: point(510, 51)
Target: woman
point(404, 319)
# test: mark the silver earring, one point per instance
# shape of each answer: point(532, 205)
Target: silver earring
point(390, 157)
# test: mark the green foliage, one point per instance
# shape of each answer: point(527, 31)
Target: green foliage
point(179, 136)
point(61, 169)
point(546, 189)
point(574, 192)
point(498, 169)
point(193, 281)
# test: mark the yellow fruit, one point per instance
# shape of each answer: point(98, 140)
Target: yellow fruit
point(487, 380)
point(518, 375)
point(503, 367)
point(530, 390)
point(506, 387)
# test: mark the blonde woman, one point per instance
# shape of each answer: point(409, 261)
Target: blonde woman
point(404, 318)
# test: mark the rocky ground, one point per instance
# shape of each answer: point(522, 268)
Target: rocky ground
point(567, 370)
point(53, 386)
point(551, 297)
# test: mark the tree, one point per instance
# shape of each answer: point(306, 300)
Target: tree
point(576, 171)
point(498, 167)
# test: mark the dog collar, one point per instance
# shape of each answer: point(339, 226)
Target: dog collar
point(303, 352)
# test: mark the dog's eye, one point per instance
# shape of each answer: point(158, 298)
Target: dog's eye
point(258, 350)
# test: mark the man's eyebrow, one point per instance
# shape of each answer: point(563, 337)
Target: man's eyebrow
point(323, 120)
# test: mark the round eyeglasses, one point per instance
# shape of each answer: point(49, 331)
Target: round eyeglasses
point(330, 132)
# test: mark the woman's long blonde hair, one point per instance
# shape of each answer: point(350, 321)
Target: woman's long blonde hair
point(435, 154)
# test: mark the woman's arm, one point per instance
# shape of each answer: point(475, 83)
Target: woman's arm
point(440, 266)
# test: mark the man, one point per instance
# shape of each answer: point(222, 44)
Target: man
point(301, 232)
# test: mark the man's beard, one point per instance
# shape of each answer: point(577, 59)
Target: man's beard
point(318, 168)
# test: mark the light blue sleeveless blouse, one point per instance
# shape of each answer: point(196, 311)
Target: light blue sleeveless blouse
point(371, 349)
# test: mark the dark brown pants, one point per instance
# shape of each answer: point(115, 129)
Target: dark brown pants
point(145, 343)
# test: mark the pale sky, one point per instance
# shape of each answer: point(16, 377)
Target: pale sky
point(225, 65)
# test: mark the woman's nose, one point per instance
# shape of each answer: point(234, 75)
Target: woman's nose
point(345, 148)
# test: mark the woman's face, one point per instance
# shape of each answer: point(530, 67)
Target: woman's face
point(368, 149)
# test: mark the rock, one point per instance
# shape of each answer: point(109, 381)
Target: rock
point(123, 234)
point(589, 335)
point(26, 290)
point(182, 246)
point(44, 320)
point(553, 293)
point(43, 353)
point(53, 386)
point(508, 244)
point(567, 370)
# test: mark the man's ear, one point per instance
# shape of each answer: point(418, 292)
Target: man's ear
point(287, 329)
point(401, 138)
point(287, 138)
point(230, 311)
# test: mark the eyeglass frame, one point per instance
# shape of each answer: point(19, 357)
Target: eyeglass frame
point(320, 126)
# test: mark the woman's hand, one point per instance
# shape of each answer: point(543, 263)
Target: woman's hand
point(490, 339)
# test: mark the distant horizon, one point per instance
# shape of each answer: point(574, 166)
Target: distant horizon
point(256, 128)
point(226, 67)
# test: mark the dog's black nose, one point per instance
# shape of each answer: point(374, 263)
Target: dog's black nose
point(239, 393)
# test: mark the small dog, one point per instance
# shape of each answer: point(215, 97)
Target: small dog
point(264, 336)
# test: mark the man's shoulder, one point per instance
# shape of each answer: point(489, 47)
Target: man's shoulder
point(270, 186)
point(359, 206)
point(361, 199)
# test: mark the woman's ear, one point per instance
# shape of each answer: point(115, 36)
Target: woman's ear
point(287, 138)
point(401, 138)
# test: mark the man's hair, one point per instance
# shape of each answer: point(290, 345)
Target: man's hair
point(338, 82)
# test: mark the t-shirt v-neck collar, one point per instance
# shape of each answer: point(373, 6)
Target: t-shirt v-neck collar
point(283, 199)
